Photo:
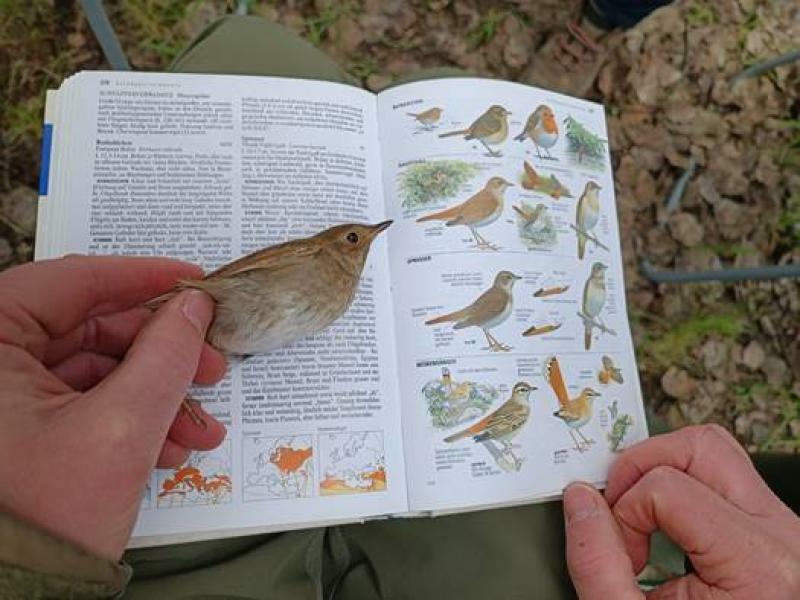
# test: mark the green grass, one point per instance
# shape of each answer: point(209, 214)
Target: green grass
point(155, 24)
point(673, 345)
point(485, 31)
point(729, 250)
point(700, 15)
point(789, 222)
point(317, 26)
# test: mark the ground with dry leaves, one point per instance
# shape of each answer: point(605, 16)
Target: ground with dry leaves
point(707, 352)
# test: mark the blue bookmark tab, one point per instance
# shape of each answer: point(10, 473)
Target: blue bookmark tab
point(44, 169)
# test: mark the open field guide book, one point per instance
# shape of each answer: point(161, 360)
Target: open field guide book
point(487, 357)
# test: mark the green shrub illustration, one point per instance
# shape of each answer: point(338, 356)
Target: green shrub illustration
point(424, 183)
point(585, 146)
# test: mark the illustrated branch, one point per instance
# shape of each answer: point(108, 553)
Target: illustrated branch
point(590, 237)
point(590, 322)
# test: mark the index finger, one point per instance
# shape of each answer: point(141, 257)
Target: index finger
point(709, 454)
point(57, 295)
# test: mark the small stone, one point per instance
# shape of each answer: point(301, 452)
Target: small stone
point(678, 384)
point(377, 81)
point(686, 229)
point(753, 356)
point(20, 205)
point(517, 50)
point(347, 34)
point(775, 370)
point(715, 355)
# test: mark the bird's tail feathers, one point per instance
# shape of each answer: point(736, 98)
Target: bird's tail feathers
point(453, 316)
point(448, 213)
point(581, 246)
point(520, 137)
point(457, 436)
point(587, 337)
point(452, 133)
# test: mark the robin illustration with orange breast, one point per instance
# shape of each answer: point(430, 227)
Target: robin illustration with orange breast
point(542, 129)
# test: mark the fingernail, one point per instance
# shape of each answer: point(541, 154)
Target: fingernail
point(580, 502)
point(196, 308)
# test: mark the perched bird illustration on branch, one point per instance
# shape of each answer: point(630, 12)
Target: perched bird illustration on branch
point(594, 299)
point(501, 426)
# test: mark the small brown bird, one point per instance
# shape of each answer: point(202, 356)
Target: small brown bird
point(491, 309)
point(609, 372)
point(575, 412)
point(277, 295)
point(587, 214)
point(428, 118)
point(530, 216)
point(503, 424)
point(490, 128)
point(594, 299)
point(481, 209)
point(551, 186)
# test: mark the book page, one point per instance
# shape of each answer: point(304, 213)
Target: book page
point(207, 169)
point(516, 364)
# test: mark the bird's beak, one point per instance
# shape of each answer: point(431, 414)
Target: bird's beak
point(515, 277)
point(509, 184)
point(374, 230)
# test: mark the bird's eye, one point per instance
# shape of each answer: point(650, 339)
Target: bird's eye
point(352, 237)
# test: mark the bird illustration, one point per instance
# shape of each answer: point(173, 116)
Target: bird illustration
point(481, 209)
point(575, 412)
point(277, 295)
point(551, 186)
point(587, 214)
point(503, 424)
point(530, 215)
point(609, 372)
point(490, 128)
point(594, 298)
point(490, 309)
point(428, 118)
point(447, 380)
point(542, 129)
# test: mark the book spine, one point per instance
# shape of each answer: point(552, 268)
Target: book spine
point(44, 169)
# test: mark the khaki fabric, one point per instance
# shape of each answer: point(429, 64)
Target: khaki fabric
point(35, 565)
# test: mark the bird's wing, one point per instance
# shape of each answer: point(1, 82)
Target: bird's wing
point(489, 304)
point(556, 381)
point(477, 208)
point(533, 122)
point(485, 126)
point(283, 254)
point(579, 211)
point(506, 418)
point(608, 364)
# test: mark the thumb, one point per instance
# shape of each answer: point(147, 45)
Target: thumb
point(149, 384)
point(596, 556)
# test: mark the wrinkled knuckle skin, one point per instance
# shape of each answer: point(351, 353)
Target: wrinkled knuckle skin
point(660, 477)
